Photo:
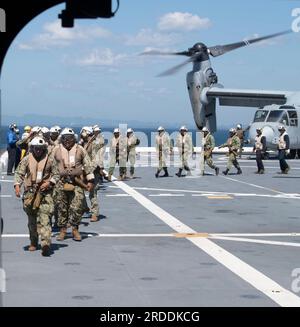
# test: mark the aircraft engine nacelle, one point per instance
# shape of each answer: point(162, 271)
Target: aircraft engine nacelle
point(204, 111)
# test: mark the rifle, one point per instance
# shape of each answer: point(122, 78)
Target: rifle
point(79, 182)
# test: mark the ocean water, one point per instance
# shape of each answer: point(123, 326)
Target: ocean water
point(146, 135)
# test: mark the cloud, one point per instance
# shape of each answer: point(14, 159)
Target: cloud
point(101, 57)
point(56, 36)
point(148, 37)
point(179, 21)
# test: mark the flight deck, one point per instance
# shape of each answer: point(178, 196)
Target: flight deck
point(192, 241)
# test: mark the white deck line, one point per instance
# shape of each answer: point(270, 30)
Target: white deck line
point(258, 280)
point(257, 241)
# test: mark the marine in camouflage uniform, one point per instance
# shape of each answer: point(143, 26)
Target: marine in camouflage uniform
point(163, 150)
point(184, 144)
point(38, 175)
point(208, 143)
point(89, 143)
point(118, 154)
point(233, 145)
point(74, 168)
point(132, 142)
point(100, 146)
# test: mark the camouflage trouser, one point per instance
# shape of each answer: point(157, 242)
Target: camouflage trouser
point(232, 161)
point(162, 160)
point(39, 220)
point(131, 159)
point(208, 159)
point(70, 206)
point(93, 197)
point(122, 166)
point(184, 157)
point(55, 211)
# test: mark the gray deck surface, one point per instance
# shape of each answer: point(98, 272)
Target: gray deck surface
point(161, 270)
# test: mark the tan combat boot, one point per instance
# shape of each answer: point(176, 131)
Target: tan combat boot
point(32, 248)
point(94, 218)
point(76, 234)
point(62, 234)
point(109, 177)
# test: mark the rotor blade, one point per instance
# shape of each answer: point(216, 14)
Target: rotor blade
point(176, 68)
point(219, 50)
point(164, 53)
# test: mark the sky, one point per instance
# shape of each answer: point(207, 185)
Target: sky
point(94, 70)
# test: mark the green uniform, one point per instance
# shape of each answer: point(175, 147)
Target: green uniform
point(208, 146)
point(132, 142)
point(118, 155)
point(70, 196)
point(184, 144)
point(39, 218)
point(233, 144)
point(163, 148)
point(92, 148)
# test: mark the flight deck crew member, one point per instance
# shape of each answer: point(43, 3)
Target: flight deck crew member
point(184, 144)
point(89, 144)
point(38, 175)
point(100, 143)
point(132, 142)
point(163, 149)
point(76, 174)
point(118, 154)
point(240, 132)
point(54, 133)
point(27, 138)
point(283, 146)
point(259, 148)
point(208, 147)
point(233, 144)
point(12, 139)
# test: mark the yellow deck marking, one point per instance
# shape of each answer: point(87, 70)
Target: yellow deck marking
point(220, 197)
point(184, 235)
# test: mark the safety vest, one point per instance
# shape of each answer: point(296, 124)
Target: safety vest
point(38, 171)
point(282, 143)
point(258, 143)
point(69, 162)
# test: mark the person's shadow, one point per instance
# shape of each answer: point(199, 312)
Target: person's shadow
point(54, 247)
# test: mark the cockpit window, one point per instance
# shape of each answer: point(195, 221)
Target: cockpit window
point(275, 116)
point(284, 119)
point(260, 116)
point(293, 117)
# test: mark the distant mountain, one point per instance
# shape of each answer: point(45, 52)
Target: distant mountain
point(47, 120)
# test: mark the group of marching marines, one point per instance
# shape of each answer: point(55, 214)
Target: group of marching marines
point(57, 167)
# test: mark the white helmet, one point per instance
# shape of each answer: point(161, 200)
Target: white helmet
point(160, 129)
point(54, 129)
point(24, 135)
point(232, 130)
point(239, 126)
point(87, 129)
point(36, 129)
point(45, 130)
point(58, 128)
point(116, 130)
point(129, 130)
point(67, 131)
point(281, 128)
point(183, 128)
point(37, 141)
point(205, 129)
point(96, 128)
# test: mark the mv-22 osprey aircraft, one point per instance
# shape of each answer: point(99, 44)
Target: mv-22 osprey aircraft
point(274, 107)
